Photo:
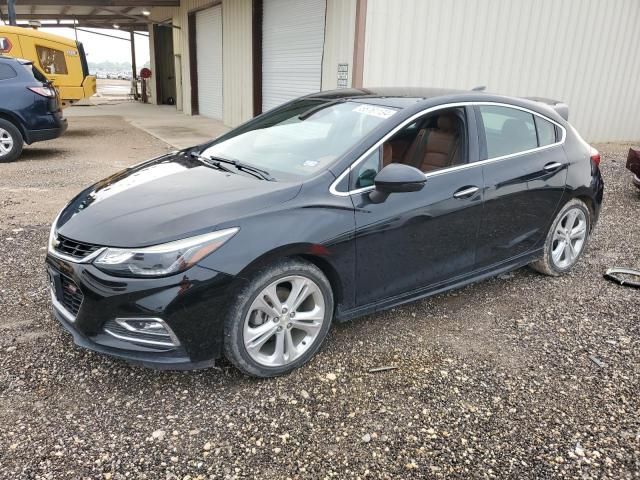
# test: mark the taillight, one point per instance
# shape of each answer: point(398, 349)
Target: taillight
point(43, 91)
point(595, 157)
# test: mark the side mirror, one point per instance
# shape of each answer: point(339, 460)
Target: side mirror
point(396, 178)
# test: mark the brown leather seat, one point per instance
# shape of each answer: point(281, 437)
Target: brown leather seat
point(442, 148)
point(387, 154)
point(414, 152)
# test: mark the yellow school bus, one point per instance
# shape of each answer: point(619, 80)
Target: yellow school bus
point(61, 59)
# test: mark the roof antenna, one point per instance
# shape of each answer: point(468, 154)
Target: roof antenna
point(480, 88)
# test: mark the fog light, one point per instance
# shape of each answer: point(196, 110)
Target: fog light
point(140, 325)
point(142, 331)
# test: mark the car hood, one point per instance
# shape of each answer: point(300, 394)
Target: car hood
point(165, 199)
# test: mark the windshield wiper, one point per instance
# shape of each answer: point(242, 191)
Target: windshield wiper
point(255, 171)
point(214, 162)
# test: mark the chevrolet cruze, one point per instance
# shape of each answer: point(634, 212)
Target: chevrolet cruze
point(332, 206)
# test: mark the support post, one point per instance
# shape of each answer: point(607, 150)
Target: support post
point(134, 70)
point(11, 4)
point(357, 73)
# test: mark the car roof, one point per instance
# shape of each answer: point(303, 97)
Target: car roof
point(399, 97)
point(407, 97)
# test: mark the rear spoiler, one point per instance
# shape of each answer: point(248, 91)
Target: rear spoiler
point(561, 108)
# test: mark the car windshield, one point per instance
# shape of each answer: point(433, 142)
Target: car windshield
point(300, 138)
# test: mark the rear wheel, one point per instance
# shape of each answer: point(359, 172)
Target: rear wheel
point(10, 141)
point(566, 239)
point(279, 321)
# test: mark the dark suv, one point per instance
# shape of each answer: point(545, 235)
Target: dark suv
point(29, 108)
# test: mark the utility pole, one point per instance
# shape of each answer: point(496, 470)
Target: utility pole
point(134, 76)
point(12, 12)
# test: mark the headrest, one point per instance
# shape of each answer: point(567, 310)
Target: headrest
point(447, 122)
point(514, 127)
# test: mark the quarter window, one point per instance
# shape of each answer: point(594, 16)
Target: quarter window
point(6, 72)
point(51, 60)
point(546, 132)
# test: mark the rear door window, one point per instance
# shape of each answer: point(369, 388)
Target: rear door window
point(508, 130)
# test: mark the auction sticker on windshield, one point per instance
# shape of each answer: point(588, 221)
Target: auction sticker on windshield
point(375, 111)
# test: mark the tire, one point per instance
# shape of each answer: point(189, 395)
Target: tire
point(282, 341)
point(11, 141)
point(550, 264)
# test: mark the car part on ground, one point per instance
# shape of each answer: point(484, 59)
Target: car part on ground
point(633, 164)
point(626, 277)
point(378, 199)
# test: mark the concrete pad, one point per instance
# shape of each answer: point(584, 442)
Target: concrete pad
point(162, 121)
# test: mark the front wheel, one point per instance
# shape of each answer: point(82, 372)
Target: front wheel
point(566, 239)
point(279, 321)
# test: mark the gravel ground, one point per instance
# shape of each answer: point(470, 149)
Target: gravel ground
point(495, 380)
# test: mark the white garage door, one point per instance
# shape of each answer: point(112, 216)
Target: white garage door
point(209, 61)
point(292, 45)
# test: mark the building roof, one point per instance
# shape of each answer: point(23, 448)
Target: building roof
point(127, 14)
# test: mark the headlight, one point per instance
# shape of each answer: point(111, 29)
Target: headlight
point(161, 260)
point(52, 232)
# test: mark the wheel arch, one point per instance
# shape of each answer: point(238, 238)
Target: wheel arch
point(589, 202)
point(11, 118)
point(315, 254)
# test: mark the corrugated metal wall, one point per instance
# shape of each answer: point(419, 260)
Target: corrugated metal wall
point(340, 27)
point(583, 52)
point(237, 54)
point(163, 14)
point(237, 61)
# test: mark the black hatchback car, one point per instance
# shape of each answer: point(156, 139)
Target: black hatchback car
point(30, 108)
point(327, 208)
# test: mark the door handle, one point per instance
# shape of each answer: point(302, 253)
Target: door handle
point(465, 192)
point(550, 167)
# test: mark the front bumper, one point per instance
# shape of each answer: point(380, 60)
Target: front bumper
point(192, 304)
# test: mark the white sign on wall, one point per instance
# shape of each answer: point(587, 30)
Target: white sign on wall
point(343, 75)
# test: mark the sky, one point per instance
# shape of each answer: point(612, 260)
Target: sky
point(101, 49)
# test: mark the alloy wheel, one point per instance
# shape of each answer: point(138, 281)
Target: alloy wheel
point(6, 142)
point(569, 238)
point(284, 321)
